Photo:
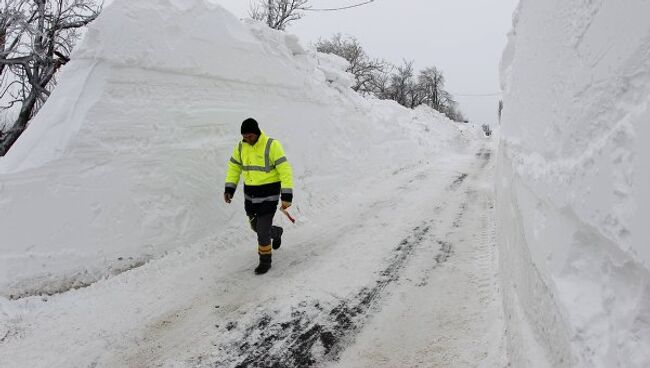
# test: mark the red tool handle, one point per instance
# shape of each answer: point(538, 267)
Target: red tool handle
point(293, 220)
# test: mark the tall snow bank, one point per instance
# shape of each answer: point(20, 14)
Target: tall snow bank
point(574, 188)
point(126, 160)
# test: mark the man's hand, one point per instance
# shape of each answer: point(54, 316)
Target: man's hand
point(285, 205)
point(227, 197)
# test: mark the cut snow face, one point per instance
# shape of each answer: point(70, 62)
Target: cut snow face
point(574, 185)
point(126, 160)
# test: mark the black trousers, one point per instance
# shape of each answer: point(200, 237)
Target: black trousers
point(262, 224)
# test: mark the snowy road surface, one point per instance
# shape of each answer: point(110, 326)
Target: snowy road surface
point(398, 272)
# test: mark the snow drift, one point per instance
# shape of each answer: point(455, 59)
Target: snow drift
point(126, 160)
point(574, 188)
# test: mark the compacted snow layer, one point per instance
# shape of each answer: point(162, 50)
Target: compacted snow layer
point(573, 184)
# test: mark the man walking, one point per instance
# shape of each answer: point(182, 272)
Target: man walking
point(267, 179)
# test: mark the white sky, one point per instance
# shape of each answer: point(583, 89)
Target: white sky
point(463, 38)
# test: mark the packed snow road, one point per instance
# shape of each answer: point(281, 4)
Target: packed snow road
point(396, 272)
point(406, 279)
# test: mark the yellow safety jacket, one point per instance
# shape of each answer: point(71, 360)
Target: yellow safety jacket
point(264, 166)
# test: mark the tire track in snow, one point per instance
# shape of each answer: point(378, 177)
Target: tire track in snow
point(214, 333)
point(317, 333)
point(446, 314)
point(311, 330)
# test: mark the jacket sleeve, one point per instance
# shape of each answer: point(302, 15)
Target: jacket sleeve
point(234, 170)
point(284, 169)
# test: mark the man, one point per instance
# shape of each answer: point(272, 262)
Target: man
point(267, 179)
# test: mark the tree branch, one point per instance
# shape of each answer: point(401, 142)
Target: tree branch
point(24, 60)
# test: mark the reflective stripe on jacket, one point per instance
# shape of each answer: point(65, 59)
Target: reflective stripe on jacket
point(262, 163)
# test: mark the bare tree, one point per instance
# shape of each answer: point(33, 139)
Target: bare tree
point(398, 83)
point(36, 39)
point(380, 84)
point(277, 14)
point(365, 70)
point(432, 82)
point(401, 82)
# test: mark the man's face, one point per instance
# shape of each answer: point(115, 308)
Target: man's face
point(250, 138)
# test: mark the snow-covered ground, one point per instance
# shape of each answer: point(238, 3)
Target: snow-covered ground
point(374, 281)
point(119, 251)
point(573, 184)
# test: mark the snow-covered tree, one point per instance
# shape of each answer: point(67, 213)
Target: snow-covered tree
point(36, 39)
point(365, 70)
point(385, 81)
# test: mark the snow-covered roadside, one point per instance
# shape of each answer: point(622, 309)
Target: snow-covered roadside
point(125, 162)
point(341, 273)
point(573, 184)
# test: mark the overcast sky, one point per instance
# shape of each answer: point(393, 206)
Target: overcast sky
point(463, 38)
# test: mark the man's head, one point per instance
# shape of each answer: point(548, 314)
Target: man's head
point(250, 131)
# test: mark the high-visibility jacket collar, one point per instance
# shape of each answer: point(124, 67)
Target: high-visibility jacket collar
point(261, 137)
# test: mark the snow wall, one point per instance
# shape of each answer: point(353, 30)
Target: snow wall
point(573, 184)
point(126, 161)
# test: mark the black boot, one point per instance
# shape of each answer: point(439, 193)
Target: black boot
point(277, 237)
point(262, 268)
point(265, 264)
